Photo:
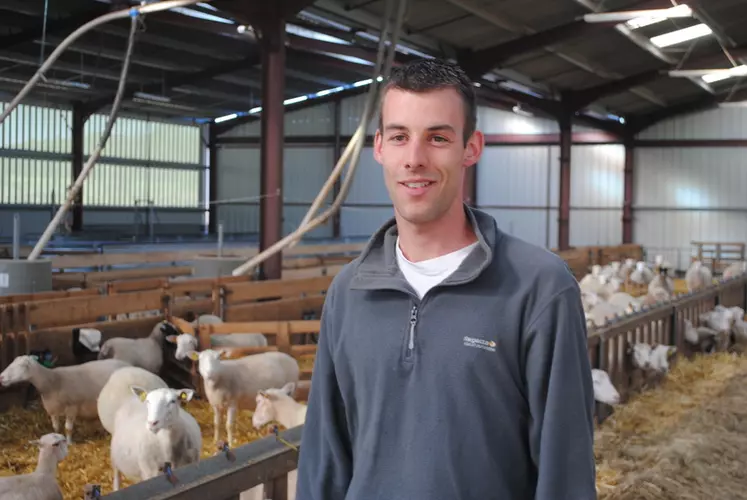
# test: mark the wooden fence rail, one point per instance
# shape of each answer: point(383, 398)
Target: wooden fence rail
point(269, 461)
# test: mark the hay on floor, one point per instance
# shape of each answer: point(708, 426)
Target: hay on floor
point(88, 457)
point(684, 440)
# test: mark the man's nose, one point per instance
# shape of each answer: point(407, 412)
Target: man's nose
point(416, 154)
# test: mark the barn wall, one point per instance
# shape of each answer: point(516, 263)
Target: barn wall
point(686, 192)
point(517, 184)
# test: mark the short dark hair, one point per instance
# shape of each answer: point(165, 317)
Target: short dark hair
point(423, 75)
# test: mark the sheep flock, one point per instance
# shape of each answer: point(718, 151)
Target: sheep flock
point(119, 400)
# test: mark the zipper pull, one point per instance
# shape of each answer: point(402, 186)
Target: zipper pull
point(413, 321)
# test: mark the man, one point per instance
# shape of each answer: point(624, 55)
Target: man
point(452, 362)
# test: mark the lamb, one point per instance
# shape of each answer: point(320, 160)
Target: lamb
point(659, 357)
point(117, 390)
point(641, 275)
point(234, 383)
point(735, 269)
point(145, 352)
point(720, 319)
point(186, 342)
point(661, 288)
point(698, 277)
point(150, 429)
point(603, 312)
point(608, 286)
point(278, 405)
point(626, 301)
point(67, 390)
point(589, 300)
point(701, 336)
point(42, 483)
point(663, 267)
point(626, 269)
point(604, 391)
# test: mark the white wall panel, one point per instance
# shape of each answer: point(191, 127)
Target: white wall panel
point(690, 178)
point(368, 184)
point(518, 176)
point(304, 172)
point(315, 120)
point(498, 121)
point(719, 123)
point(688, 194)
point(359, 222)
point(597, 176)
point(596, 226)
point(536, 226)
point(351, 110)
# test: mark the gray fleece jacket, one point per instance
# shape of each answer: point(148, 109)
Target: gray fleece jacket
point(480, 391)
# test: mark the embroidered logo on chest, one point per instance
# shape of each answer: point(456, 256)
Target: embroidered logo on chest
point(487, 345)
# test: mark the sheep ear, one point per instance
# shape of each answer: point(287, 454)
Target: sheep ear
point(193, 355)
point(263, 394)
point(289, 388)
point(223, 354)
point(186, 395)
point(171, 338)
point(672, 351)
point(139, 392)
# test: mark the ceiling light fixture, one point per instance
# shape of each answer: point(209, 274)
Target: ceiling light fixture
point(680, 36)
point(640, 18)
point(710, 75)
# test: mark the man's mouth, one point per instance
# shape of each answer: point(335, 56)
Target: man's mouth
point(416, 185)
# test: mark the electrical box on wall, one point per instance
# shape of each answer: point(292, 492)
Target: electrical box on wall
point(23, 276)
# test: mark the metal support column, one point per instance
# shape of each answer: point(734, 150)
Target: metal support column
point(79, 123)
point(628, 195)
point(272, 41)
point(213, 179)
point(336, 231)
point(564, 215)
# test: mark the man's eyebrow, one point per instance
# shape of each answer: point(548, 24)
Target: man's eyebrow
point(445, 126)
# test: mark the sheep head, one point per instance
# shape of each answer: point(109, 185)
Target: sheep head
point(265, 410)
point(18, 371)
point(52, 443)
point(162, 405)
point(604, 391)
point(184, 344)
point(209, 360)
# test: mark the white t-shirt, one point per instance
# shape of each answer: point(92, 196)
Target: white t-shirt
point(426, 274)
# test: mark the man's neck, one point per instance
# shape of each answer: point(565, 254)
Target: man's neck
point(440, 237)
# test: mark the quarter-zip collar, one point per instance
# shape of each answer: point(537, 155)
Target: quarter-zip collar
point(377, 268)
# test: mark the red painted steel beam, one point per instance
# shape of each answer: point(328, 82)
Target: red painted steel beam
point(564, 212)
point(271, 155)
point(627, 219)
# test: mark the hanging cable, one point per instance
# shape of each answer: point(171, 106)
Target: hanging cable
point(356, 144)
point(73, 191)
point(110, 16)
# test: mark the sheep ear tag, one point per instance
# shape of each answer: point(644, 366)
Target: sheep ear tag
point(143, 395)
point(183, 396)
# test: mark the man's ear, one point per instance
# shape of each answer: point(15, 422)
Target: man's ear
point(474, 148)
point(378, 140)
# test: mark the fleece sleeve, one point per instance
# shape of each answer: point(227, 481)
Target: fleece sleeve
point(560, 395)
point(325, 460)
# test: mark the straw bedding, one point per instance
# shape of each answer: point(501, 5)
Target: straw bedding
point(685, 440)
point(88, 457)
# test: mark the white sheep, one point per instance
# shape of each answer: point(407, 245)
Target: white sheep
point(118, 390)
point(720, 319)
point(659, 357)
point(69, 391)
point(661, 288)
point(604, 391)
point(603, 312)
point(150, 429)
point(698, 277)
point(233, 383)
point(699, 335)
point(277, 405)
point(589, 300)
point(735, 269)
point(663, 266)
point(641, 275)
point(42, 483)
point(186, 342)
point(640, 354)
point(145, 352)
point(626, 301)
point(626, 268)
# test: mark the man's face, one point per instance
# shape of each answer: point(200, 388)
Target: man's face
point(422, 150)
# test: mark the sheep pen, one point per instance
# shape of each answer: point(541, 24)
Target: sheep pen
point(88, 458)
